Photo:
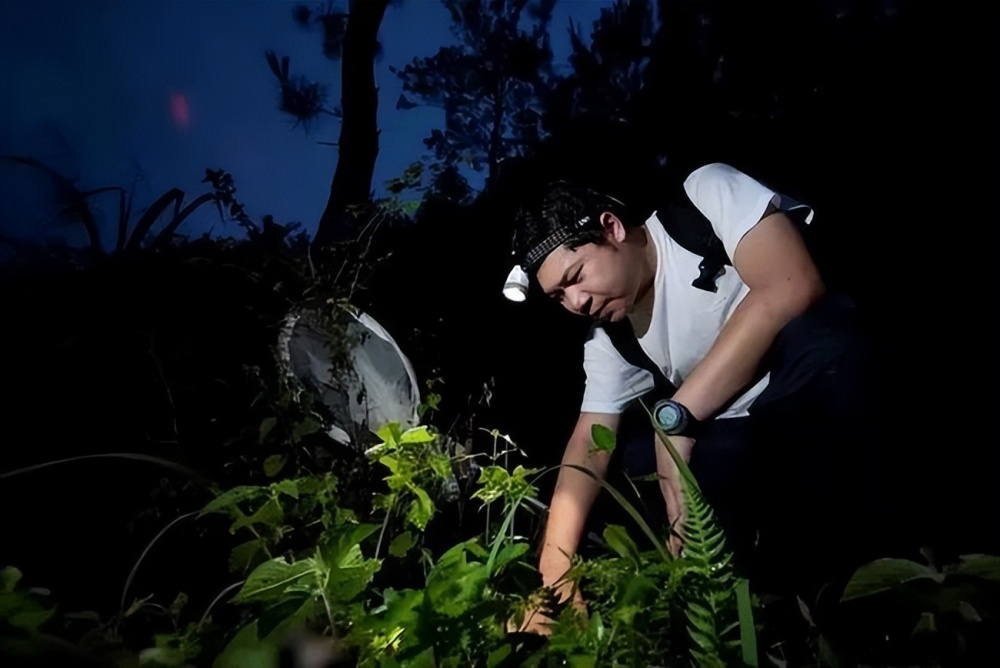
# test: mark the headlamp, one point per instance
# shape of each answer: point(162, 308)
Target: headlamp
point(515, 288)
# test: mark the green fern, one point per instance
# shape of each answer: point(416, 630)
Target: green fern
point(711, 601)
point(716, 602)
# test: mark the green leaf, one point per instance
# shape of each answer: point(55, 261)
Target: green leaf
point(342, 544)
point(232, 497)
point(389, 462)
point(508, 554)
point(294, 607)
point(243, 555)
point(390, 434)
point(969, 612)
point(498, 656)
point(138, 604)
point(884, 575)
point(348, 573)
point(658, 544)
point(637, 590)
point(401, 544)
point(22, 611)
point(271, 579)
point(269, 514)
point(748, 631)
point(274, 464)
point(399, 610)
point(421, 510)
point(604, 438)
point(246, 650)
point(984, 566)
point(619, 541)
point(348, 582)
point(288, 488)
point(581, 661)
point(454, 584)
point(308, 426)
point(266, 425)
point(9, 577)
point(177, 606)
point(597, 629)
point(417, 435)
point(926, 624)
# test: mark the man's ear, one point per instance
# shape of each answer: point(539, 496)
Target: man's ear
point(612, 226)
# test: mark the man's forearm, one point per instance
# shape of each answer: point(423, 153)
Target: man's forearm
point(572, 500)
point(783, 282)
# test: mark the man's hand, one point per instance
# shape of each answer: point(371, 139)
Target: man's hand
point(537, 619)
point(672, 487)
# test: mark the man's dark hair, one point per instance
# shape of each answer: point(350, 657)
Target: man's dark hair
point(565, 215)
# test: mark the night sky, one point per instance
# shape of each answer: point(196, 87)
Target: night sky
point(152, 92)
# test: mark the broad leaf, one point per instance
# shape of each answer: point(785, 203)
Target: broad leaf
point(21, 611)
point(308, 426)
point(288, 488)
point(270, 514)
point(390, 434)
point(619, 541)
point(243, 555)
point(233, 497)
point(885, 574)
point(417, 435)
point(293, 608)
point(985, 566)
point(401, 544)
point(270, 580)
point(247, 650)
point(604, 438)
point(421, 510)
point(347, 571)
point(454, 584)
point(274, 464)
point(508, 554)
point(266, 425)
point(9, 577)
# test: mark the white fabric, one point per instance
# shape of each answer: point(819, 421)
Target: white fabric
point(379, 387)
point(685, 320)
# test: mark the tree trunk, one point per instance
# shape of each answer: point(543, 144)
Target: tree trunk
point(358, 146)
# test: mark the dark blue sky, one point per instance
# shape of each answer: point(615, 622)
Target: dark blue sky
point(111, 91)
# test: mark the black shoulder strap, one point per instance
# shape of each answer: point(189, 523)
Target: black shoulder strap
point(692, 230)
point(623, 337)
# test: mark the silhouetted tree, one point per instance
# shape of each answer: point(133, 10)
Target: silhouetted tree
point(490, 85)
point(352, 38)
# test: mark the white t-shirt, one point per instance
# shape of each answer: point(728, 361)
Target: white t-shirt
point(685, 320)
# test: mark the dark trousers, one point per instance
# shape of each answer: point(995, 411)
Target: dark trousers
point(794, 483)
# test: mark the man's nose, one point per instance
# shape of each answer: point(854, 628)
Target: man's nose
point(577, 301)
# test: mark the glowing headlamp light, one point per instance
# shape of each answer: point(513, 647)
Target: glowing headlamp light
point(515, 288)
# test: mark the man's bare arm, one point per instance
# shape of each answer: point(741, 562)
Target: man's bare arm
point(783, 279)
point(573, 497)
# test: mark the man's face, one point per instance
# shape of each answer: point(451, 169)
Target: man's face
point(600, 281)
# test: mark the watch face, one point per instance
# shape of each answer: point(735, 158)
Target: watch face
point(668, 415)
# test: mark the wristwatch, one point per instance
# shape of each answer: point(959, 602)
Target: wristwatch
point(675, 419)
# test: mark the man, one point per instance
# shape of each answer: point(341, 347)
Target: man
point(768, 367)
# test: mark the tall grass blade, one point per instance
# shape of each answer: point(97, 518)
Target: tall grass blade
point(748, 632)
point(138, 562)
point(658, 543)
point(166, 463)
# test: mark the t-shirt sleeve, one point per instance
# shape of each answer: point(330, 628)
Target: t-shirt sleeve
point(612, 383)
point(732, 201)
